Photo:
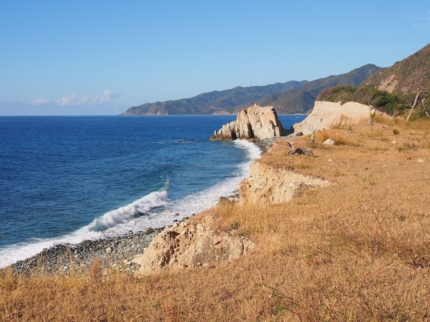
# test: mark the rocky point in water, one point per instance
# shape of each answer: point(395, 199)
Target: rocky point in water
point(254, 122)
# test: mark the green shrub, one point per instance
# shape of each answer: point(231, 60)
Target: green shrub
point(382, 100)
point(387, 102)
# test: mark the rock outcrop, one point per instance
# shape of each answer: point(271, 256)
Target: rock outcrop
point(328, 114)
point(252, 122)
point(188, 245)
point(275, 185)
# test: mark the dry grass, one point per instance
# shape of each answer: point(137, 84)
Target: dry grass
point(339, 139)
point(358, 250)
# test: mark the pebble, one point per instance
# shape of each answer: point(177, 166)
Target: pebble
point(113, 252)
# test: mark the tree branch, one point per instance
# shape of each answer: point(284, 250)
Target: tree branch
point(419, 91)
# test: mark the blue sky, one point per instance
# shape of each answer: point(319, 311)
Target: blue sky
point(102, 57)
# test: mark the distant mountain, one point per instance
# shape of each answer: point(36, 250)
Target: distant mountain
point(301, 99)
point(392, 90)
point(216, 102)
point(290, 97)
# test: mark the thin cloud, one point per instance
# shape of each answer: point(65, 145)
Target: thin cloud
point(41, 101)
point(67, 100)
point(92, 99)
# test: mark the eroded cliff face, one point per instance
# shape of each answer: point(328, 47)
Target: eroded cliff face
point(194, 243)
point(328, 114)
point(275, 185)
point(188, 245)
point(252, 122)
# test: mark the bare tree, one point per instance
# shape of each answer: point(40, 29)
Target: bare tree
point(420, 90)
point(427, 111)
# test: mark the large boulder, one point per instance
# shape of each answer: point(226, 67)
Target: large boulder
point(254, 122)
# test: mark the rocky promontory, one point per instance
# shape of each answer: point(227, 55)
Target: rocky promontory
point(254, 122)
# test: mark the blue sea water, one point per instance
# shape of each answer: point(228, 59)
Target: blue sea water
point(67, 179)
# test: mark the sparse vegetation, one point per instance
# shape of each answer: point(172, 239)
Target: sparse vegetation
point(382, 100)
point(358, 250)
point(302, 99)
point(403, 86)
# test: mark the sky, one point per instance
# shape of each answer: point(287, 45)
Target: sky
point(102, 57)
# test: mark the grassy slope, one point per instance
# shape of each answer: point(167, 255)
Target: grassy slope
point(358, 250)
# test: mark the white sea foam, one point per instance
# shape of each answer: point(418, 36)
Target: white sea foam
point(23, 250)
point(193, 203)
point(128, 212)
point(154, 209)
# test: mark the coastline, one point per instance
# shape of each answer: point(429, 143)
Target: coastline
point(115, 252)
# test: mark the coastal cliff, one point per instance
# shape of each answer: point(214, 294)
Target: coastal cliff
point(254, 122)
point(328, 114)
point(195, 242)
point(190, 244)
point(267, 184)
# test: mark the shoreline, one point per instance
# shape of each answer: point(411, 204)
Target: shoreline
point(114, 252)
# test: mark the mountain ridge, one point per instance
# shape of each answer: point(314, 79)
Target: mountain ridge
point(289, 97)
point(214, 102)
point(301, 99)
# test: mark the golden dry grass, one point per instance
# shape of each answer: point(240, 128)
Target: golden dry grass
point(358, 250)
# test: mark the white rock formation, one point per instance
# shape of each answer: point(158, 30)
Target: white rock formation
point(188, 245)
point(252, 122)
point(267, 184)
point(328, 114)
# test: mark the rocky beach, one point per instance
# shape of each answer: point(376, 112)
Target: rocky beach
point(116, 252)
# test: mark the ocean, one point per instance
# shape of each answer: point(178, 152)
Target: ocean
point(69, 179)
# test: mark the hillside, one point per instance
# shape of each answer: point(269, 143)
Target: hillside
point(213, 102)
point(404, 77)
point(301, 99)
point(289, 97)
point(393, 89)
